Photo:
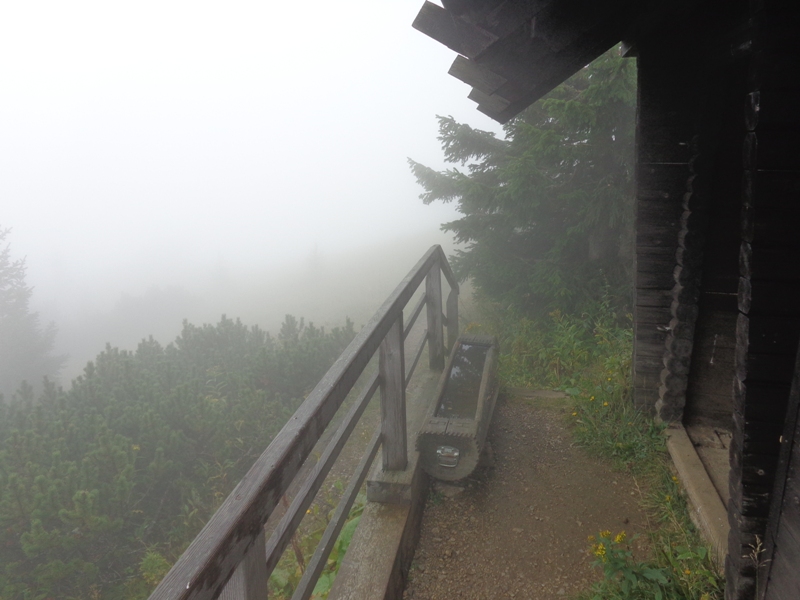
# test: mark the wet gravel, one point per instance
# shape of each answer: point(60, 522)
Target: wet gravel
point(519, 528)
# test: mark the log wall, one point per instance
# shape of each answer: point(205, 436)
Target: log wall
point(664, 132)
point(768, 323)
point(690, 132)
point(709, 243)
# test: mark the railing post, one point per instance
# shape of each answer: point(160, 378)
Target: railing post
point(249, 580)
point(433, 293)
point(452, 318)
point(393, 398)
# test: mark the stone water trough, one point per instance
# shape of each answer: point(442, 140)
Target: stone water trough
point(453, 434)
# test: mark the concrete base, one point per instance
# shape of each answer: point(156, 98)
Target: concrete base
point(378, 559)
point(706, 507)
point(379, 556)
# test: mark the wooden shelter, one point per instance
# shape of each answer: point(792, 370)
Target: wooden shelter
point(717, 315)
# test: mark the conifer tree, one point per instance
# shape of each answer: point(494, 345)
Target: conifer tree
point(26, 348)
point(547, 211)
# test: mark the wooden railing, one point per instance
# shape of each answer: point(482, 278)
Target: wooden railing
point(231, 558)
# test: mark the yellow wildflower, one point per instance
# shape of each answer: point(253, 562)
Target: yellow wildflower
point(574, 414)
point(591, 399)
point(609, 379)
point(605, 403)
point(599, 550)
point(620, 537)
point(605, 534)
point(687, 572)
point(591, 538)
point(135, 447)
point(668, 497)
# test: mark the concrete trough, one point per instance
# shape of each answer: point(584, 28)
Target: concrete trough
point(453, 434)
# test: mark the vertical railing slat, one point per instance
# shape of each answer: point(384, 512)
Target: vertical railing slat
point(249, 580)
point(393, 398)
point(433, 292)
point(452, 318)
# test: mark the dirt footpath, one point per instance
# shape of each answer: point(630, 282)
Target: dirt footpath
point(519, 529)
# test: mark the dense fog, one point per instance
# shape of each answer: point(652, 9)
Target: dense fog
point(171, 160)
point(322, 287)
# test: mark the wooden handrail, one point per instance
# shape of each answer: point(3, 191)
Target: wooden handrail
point(233, 538)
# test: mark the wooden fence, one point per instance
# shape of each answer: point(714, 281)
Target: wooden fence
point(230, 558)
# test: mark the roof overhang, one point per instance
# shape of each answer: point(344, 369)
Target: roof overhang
point(512, 52)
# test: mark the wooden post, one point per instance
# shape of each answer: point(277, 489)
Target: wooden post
point(249, 580)
point(452, 318)
point(393, 398)
point(433, 292)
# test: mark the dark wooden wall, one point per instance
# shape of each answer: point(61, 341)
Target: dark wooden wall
point(778, 565)
point(717, 311)
point(768, 324)
point(664, 149)
point(690, 134)
point(715, 235)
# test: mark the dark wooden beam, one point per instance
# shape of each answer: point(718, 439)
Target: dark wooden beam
point(488, 101)
point(471, 73)
point(454, 32)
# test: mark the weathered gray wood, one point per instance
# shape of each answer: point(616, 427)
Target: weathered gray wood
point(448, 273)
point(204, 569)
point(475, 75)
point(282, 535)
point(416, 354)
point(414, 315)
point(452, 318)
point(433, 292)
point(490, 102)
point(455, 33)
point(249, 581)
point(393, 398)
point(652, 315)
point(317, 563)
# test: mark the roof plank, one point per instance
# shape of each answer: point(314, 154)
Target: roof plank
point(488, 101)
point(455, 33)
point(479, 77)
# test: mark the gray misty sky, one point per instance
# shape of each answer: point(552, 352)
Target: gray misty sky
point(144, 143)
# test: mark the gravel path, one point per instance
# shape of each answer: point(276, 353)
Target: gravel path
point(519, 529)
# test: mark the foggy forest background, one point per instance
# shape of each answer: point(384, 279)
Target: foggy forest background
point(113, 456)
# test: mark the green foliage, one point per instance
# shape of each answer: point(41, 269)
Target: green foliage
point(678, 573)
point(289, 571)
point(26, 349)
point(153, 567)
point(103, 486)
point(625, 577)
point(560, 350)
point(547, 211)
point(588, 356)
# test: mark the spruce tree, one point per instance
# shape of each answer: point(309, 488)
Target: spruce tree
point(26, 348)
point(547, 211)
